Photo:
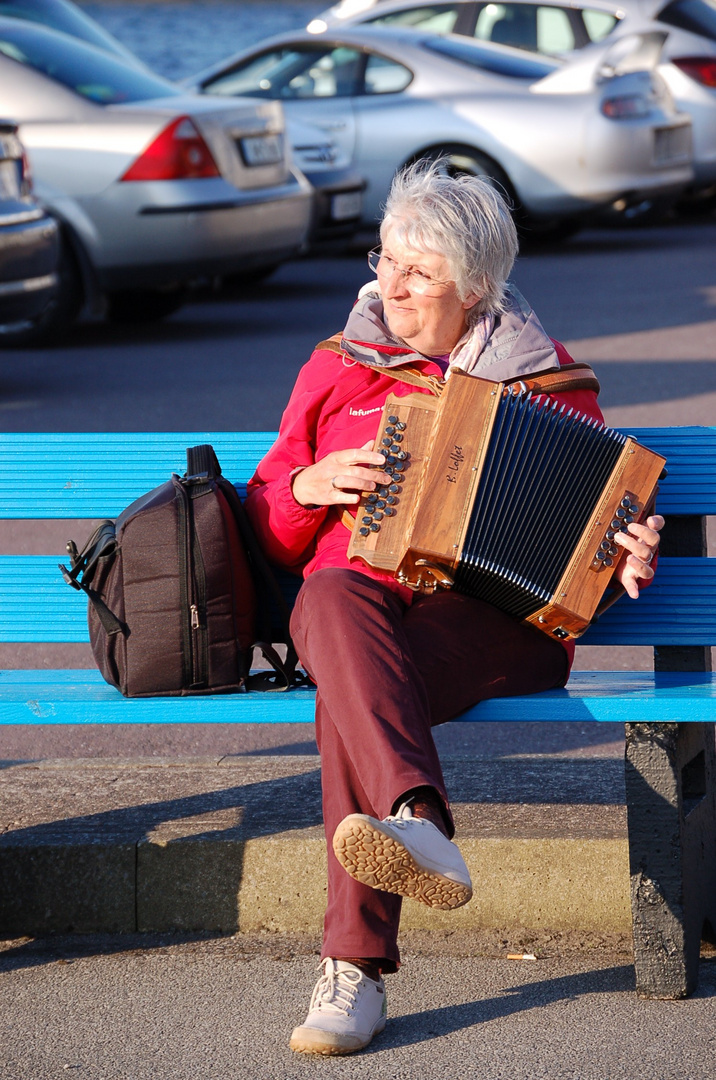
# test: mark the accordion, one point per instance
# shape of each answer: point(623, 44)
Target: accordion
point(505, 497)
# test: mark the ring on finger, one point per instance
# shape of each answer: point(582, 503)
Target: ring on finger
point(334, 485)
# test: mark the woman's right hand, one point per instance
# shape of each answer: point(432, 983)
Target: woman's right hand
point(340, 478)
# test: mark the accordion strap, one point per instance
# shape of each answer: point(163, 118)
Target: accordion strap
point(575, 376)
point(568, 377)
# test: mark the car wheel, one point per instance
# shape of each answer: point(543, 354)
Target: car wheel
point(463, 159)
point(135, 306)
point(59, 315)
point(248, 279)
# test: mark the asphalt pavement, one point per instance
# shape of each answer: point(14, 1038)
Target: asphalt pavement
point(118, 1008)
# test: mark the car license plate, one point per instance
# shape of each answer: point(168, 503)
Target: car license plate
point(346, 205)
point(261, 149)
point(672, 144)
point(9, 180)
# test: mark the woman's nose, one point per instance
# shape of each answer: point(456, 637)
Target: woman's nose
point(395, 284)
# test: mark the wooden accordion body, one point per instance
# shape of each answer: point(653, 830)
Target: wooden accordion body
point(506, 498)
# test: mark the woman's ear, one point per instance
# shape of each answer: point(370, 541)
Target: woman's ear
point(470, 300)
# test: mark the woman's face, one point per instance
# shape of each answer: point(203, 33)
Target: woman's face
point(431, 325)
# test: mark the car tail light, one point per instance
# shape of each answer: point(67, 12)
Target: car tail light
point(178, 153)
point(626, 107)
point(702, 69)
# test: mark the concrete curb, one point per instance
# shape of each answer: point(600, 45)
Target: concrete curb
point(236, 845)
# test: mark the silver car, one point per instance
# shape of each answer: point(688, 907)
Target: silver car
point(564, 139)
point(155, 188)
point(558, 27)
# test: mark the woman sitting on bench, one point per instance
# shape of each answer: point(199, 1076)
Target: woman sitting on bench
point(390, 664)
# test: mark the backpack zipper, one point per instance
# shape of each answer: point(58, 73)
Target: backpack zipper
point(192, 598)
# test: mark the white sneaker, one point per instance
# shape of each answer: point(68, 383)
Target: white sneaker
point(347, 1009)
point(406, 855)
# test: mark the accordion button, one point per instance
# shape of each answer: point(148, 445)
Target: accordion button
point(400, 425)
point(402, 455)
point(382, 492)
point(626, 502)
point(395, 449)
point(634, 509)
point(379, 504)
point(378, 515)
point(613, 549)
point(372, 497)
point(395, 488)
point(391, 500)
point(389, 511)
point(366, 520)
point(616, 524)
point(621, 512)
point(396, 438)
point(386, 442)
point(393, 420)
point(610, 534)
point(628, 519)
point(364, 531)
point(608, 561)
point(390, 430)
point(383, 451)
point(390, 460)
point(374, 527)
point(601, 556)
point(605, 545)
point(399, 466)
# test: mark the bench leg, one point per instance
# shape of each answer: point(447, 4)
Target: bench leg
point(671, 813)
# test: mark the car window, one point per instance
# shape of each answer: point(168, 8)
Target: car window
point(384, 76)
point(554, 31)
point(440, 18)
point(698, 16)
point(508, 24)
point(515, 67)
point(598, 23)
point(94, 75)
point(293, 72)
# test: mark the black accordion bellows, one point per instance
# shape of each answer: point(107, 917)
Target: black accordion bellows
point(533, 455)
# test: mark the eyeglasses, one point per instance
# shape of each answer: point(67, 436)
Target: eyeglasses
point(384, 267)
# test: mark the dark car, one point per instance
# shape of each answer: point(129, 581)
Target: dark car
point(29, 249)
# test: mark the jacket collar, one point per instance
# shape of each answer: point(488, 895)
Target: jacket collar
point(517, 346)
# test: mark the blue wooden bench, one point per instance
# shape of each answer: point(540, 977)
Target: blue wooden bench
point(669, 712)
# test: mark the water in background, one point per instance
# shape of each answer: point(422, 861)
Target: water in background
point(179, 38)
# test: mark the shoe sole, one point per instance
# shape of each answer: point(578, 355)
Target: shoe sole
point(308, 1040)
point(380, 861)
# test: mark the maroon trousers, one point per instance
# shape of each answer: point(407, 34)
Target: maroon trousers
point(386, 674)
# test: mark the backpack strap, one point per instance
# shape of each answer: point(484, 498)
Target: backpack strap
point(284, 673)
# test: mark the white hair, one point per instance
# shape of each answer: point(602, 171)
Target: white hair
point(464, 219)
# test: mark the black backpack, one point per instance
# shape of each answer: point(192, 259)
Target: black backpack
point(180, 594)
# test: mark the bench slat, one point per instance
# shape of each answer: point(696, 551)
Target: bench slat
point(82, 697)
point(95, 475)
point(678, 609)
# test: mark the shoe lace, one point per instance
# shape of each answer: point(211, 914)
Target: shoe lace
point(402, 816)
point(336, 991)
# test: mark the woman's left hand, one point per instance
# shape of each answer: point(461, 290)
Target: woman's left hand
point(641, 542)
